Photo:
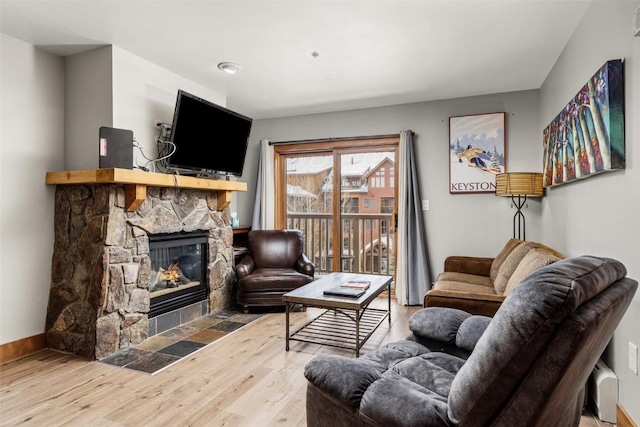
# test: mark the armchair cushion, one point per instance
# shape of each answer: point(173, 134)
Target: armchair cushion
point(448, 325)
point(273, 279)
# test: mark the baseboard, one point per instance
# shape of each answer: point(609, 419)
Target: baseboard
point(623, 419)
point(24, 347)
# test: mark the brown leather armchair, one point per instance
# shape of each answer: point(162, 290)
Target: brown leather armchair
point(274, 265)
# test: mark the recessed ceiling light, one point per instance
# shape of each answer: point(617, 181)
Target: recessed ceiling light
point(229, 67)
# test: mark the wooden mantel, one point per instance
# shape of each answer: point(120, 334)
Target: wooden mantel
point(137, 181)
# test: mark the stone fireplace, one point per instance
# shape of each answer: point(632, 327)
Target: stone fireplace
point(103, 277)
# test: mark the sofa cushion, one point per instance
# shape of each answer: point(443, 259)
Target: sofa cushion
point(532, 261)
point(472, 279)
point(464, 287)
point(509, 266)
point(499, 259)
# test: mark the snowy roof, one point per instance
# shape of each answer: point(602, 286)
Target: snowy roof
point(361, 163)
point(384, 242)
point(308, 165)
point(356, 164)
point(297, 191)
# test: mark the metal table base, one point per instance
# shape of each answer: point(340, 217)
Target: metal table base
point(338, 327)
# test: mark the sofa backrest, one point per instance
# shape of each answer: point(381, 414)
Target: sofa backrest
point(531, 364)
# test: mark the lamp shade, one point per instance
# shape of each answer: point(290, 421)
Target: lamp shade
point(519, 184)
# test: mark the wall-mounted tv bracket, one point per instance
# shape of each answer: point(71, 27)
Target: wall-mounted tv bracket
point(165, 146)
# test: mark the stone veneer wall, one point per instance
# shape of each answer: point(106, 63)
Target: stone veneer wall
point(100, 274)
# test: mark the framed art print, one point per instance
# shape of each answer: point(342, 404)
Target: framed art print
point(476, 152)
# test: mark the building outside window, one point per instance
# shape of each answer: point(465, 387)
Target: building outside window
point(369, 203)
point(386, 204)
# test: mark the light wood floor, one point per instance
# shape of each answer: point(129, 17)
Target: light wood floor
point(244, 379)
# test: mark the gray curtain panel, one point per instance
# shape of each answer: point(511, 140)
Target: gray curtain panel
point(263, 208)
point(418, 277)
point(257, 204)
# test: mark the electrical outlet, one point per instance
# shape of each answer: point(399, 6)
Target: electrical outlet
point(633, 358)
point(425, 205)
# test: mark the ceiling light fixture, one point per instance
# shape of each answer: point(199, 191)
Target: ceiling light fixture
point(229, 67)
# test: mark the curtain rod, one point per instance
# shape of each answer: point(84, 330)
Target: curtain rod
point(348, 138)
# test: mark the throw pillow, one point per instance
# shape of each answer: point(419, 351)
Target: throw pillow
point(532, 261)
point(499, 259)
point(509, 266)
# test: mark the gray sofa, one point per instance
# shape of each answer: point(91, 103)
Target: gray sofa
point(526, 366)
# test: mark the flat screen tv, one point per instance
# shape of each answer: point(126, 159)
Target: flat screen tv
point(208, 138)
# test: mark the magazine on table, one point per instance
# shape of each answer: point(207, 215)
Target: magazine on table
point(356, 284)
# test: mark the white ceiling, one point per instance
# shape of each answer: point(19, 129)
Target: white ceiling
point(371, 53)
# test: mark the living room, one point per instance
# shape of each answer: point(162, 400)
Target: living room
point(38, 137)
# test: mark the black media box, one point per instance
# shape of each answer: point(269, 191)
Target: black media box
point(115, 148)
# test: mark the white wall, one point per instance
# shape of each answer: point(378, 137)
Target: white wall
point(109, 86)
point(143, 93)
point(462, 224)
point(88, 105)
point(601, 215)
point(31, 143)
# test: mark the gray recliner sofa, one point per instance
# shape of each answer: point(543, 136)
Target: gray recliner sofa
point(526, 366)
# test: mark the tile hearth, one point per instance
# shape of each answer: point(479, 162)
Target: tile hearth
point(163, 350)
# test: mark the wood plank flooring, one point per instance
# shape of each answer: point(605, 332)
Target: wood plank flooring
point(244, 379)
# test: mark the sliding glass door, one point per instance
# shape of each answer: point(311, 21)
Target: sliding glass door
point(342, 196)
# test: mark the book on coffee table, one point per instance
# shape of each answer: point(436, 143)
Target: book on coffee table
point(344, 292)
point(356, 284)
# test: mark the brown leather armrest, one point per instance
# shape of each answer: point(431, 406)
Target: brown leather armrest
point(245, 267)
point(485, 305)
point(305, 266)
point(469, 265)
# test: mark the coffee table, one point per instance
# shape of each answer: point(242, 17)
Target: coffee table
point(348, 322)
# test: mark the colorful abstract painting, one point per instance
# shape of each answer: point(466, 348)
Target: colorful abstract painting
point(476, 152)
point(587, 137)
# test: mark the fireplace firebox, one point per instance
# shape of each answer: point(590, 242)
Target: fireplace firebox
point(178, 271)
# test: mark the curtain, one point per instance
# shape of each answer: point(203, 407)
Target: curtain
point(413, 277)
point(263, 208)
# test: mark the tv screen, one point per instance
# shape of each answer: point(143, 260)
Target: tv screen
point(208, 138)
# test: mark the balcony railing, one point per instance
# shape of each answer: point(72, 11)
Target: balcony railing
point(367, 241)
